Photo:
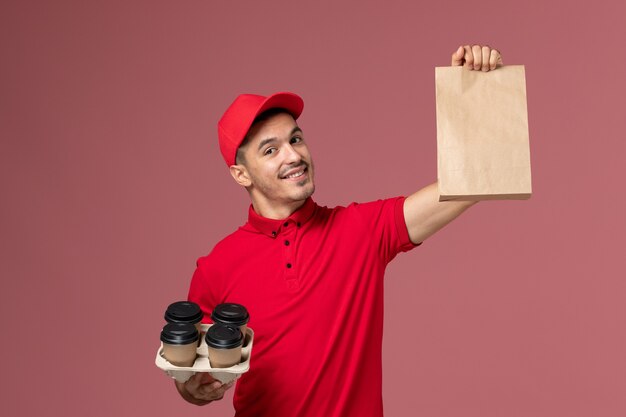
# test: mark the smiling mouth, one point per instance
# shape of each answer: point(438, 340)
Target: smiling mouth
point(295, 175)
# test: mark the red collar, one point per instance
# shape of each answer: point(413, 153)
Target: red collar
point(272, 227)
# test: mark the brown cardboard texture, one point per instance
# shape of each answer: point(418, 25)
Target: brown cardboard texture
point(224, 375)
point(483, 150)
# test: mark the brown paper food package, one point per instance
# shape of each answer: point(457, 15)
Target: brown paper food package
point(483, 151)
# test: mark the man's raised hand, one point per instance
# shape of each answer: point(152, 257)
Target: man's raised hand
point(477, 57)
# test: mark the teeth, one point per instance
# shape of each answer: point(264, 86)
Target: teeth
point(296, 175)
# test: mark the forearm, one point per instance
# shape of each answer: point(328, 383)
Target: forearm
point(424, 214)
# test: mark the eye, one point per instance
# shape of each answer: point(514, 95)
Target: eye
point(269, 151)
point(295, 139)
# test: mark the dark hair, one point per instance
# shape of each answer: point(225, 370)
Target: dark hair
point(239, 156)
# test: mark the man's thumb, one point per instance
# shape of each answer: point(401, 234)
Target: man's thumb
point(457, 56)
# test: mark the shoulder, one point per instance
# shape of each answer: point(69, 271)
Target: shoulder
point(357, 206)
point(363, 215)
point(376, 208)
point(225, 248)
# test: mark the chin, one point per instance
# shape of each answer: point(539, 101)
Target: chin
point(305, 193)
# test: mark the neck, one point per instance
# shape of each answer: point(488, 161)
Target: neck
point(276, 211)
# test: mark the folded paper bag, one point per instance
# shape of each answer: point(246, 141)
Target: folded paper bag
point(483, 151)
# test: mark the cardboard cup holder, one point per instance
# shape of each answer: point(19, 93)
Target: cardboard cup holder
point(202, 364)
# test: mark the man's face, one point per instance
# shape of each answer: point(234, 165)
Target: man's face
point(278, 162)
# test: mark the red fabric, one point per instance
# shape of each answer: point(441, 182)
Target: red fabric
point(319, 323)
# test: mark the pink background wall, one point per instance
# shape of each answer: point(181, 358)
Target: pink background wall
point(112, 186)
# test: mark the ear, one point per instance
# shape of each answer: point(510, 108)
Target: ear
point(241, 175)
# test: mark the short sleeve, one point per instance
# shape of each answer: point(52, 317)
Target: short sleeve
point(386, 225)
point(202, 288)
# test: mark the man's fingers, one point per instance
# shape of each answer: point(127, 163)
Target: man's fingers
point(495, 59)
point(457, 57)
point(194, 382)
point(216, 390)
point(478, 56)
point(208, 392)
point(468, 57)
point(206, 378)
point(204, 388)
point(211, 391)
point(486, 54)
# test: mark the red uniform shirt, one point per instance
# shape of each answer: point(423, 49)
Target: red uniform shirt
point(313, 285)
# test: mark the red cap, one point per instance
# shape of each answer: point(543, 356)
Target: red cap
point(237, 119)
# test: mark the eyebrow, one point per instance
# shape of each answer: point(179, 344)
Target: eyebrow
point(272, 139)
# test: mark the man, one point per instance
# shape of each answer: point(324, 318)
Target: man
point(311, 277)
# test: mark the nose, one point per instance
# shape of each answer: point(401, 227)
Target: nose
point(291, 155)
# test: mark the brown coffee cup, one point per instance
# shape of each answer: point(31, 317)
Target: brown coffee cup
point(224, 344)
point(180, 341)
point(185, 312)
point(231, 314)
